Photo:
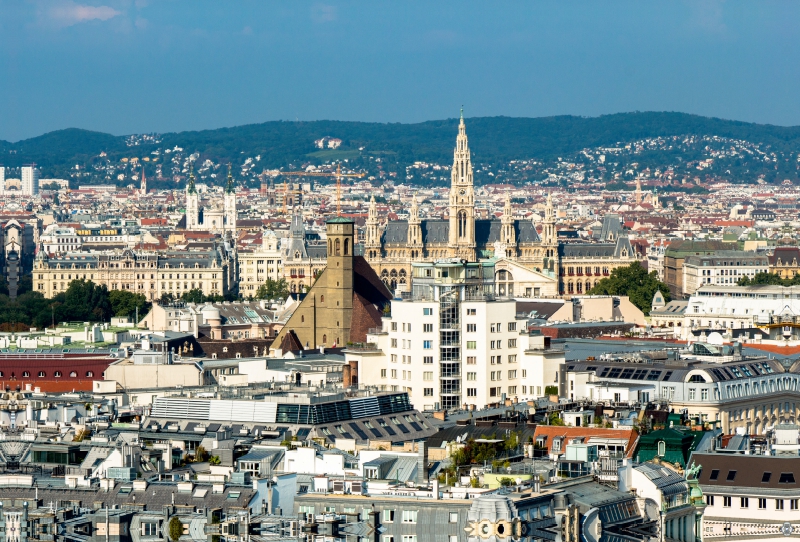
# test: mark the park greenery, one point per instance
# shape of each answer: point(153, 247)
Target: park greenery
point(635, 282)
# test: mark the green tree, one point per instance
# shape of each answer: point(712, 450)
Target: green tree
point(175, 528)
point(84, 300)
point(201, 454)
point(195, 295)
point(125, 303)
point(769, 278)
point(214, 460)
point(555, 419)
point(635, 282)
point(273, 289)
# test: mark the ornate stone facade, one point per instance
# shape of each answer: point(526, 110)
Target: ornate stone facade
point(551, 267)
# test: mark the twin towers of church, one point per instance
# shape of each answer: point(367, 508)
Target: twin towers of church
point(211, 221)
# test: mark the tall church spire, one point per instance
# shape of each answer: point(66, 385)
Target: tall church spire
point(372, 242)
point(414, 230)
point(229, 201)
point(192, 203)
point(507, 233)
point(549, 222)
point(462, 198)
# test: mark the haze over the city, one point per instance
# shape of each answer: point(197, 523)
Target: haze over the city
point(122, 66)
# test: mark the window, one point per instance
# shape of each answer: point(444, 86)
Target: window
point(472, 312)
point(409, 516)
point(41, 374)
point(762, 504)
point(394, 326)
point(388, 516)
point(472, 376)
point(714, 474)
point(793, 504)
point(394, 373)
point(427, 345)
point(765, 477)
point(786, 478)
point(472, 328)
point(409, 538)
point(427, 328)
point(710, 500)
point(427, 392)
point(427, 359)
point(726, 502)
point(778, 504)
point(512, 390)
point(472, 345)
point(57, 374)
point(387, 538)
point(472, 392)
point(427, 375)
point(149, 528)
point(394, 343)
point(512, 326)
point(427, 311)
point(731, 476)
point(453, 517)
point(512, 375)
point(744, 502)
point(704, 394)
point(662, 448)
point(25, 374)
point(472, 360)
point(512, 358)
point(512, 343)
point(383, 373)
point(692, 394)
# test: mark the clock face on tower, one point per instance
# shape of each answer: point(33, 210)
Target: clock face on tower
point(462, 191)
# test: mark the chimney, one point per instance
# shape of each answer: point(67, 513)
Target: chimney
point(422, 464)
point(346, 376)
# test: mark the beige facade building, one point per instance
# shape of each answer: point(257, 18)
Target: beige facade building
point(259, 264)
point(149, 273)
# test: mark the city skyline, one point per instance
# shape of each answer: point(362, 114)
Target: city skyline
point(123, 67)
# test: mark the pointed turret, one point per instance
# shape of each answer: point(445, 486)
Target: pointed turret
point(229, 187)
point(462, 198)
point(414, 230)
point(190, 187)
point(507, 234)
point(372, 243)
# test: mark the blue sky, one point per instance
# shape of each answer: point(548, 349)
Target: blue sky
point(130, 66)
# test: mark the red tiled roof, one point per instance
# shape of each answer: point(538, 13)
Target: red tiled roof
point(551, 432)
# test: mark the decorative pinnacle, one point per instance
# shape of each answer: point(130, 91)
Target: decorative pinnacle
point(229, 188)
point(462, 112)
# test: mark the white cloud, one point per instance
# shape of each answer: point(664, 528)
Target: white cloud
point(68, 12)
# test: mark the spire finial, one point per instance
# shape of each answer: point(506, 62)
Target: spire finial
point(462, 112)
point(229, 188)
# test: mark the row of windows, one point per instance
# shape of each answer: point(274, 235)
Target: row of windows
point(744, 502)
point(43, 374)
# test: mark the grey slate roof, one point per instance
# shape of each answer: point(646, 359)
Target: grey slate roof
point(438, 231)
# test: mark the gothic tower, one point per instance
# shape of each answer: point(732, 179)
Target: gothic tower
point(230, 204)
point(462, 199)
point(414, 230)
point(372, 243)
point(549, 236)
point(192, 203)
point(507, 234)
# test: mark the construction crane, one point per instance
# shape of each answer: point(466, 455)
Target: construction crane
point(338, 175)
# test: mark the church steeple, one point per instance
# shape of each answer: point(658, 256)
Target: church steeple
point(549, 237)
point(192, 203)
point(414, 230)
point(229, 201)
point(372, 242)
point(462, 198)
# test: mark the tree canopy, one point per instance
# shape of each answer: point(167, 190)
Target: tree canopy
point(769, 278)
point(273, 289)
point(635, 282)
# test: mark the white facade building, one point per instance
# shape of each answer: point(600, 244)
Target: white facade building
point(30, 181)
point(60, 239)
point(450, 342)
point(725, 267)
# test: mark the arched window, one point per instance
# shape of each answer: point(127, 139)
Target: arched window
point(302, 318)
point(41, 374)
point(324, 339)
point(73, 374)
point(26, 374)
point(337, 247)
point(57, 374)
point(322, 299)
point(89, 374)
point(662, 448)
point(346, 247)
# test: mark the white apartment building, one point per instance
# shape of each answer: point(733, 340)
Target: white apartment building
point(60, 239)
point(725, 267)
point(450, 342)
point(30, 181)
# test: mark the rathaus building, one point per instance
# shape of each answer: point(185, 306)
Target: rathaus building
point(527, 263)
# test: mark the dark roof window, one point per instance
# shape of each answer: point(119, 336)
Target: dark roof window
point(787, 478)
point(731, 475)
point(714, 474)
point(765, 477)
